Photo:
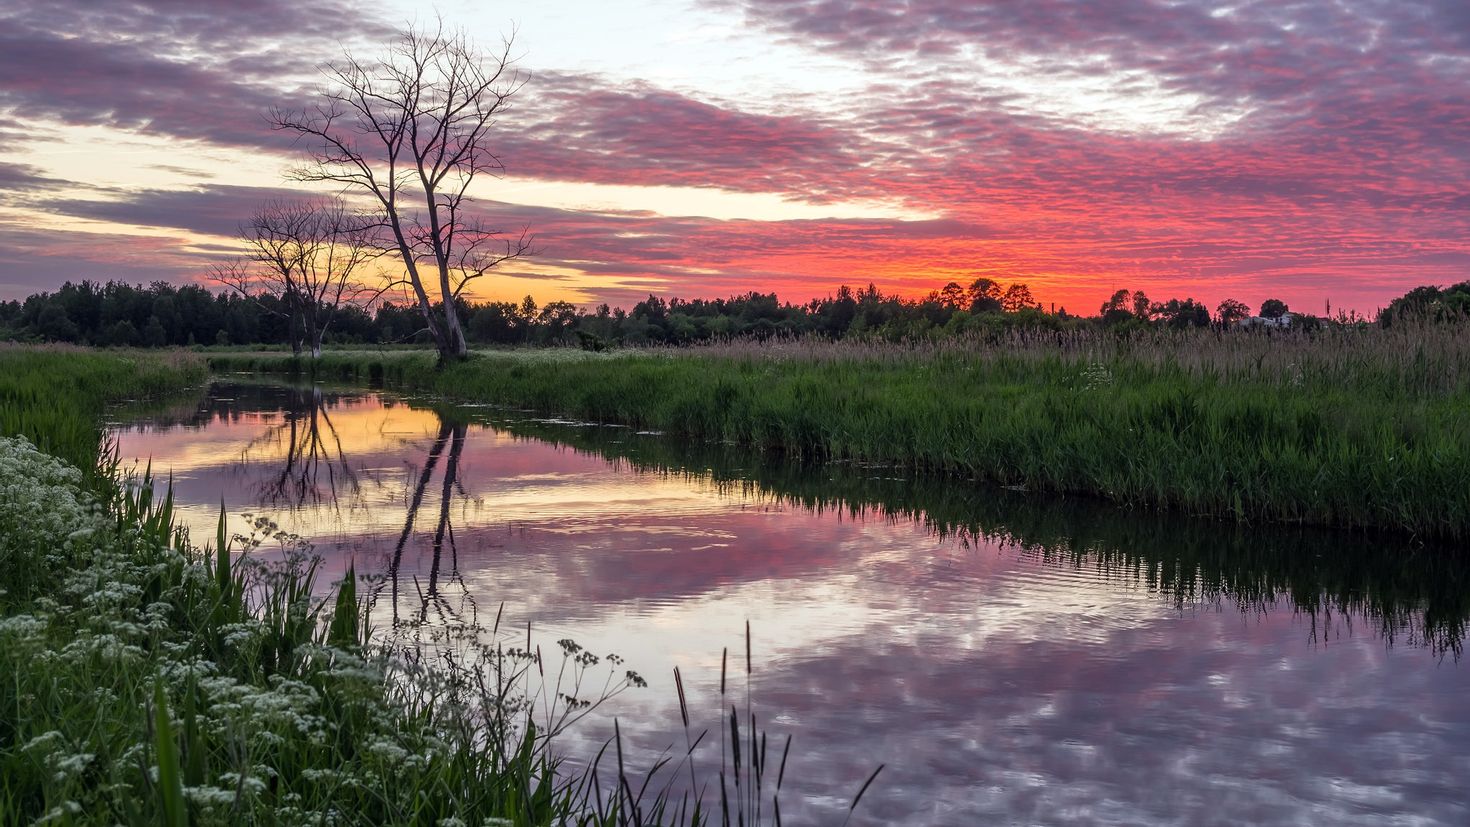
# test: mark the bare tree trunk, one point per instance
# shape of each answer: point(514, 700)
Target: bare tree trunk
point(314, 331)
point(293, 331)
point(456, 347)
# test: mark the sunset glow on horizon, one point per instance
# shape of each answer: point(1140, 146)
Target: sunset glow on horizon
point(1315, 152)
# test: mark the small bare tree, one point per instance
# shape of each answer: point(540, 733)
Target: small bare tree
point(413, 132)
point(307, 255)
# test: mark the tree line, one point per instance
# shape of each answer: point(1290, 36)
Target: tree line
point(116, 314)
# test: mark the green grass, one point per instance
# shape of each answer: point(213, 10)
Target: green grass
point(1363, 428)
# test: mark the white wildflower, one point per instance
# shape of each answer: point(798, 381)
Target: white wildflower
point(209, 797)
point(44, 743)
point(252, 785)
point(387, 751)
point(67, 765)
point(60, 812)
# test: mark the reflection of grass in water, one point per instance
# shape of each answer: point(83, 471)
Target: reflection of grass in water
point(1408, 591)
point(1365, 428)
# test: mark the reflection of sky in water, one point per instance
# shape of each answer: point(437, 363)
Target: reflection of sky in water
point(993, 685)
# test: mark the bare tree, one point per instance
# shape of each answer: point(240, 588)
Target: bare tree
point(267, 273)
point(343, 243)
point(413, 132)
point(307, 255)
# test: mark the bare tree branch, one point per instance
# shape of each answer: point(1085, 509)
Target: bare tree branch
point(412, 131)
point(308, 256)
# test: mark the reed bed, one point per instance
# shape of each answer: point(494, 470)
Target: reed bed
point(1358, 427)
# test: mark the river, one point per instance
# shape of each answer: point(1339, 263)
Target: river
point(1007, 657)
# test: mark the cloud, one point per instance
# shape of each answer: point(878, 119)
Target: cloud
point(1074, 261)
point(1265, 52)
point(589, 129)
point(126, 87)
point(212, 210)
point(231, 33)
point(1313, 149)
point(34, 260)
point(24, 178)
point(195, 70)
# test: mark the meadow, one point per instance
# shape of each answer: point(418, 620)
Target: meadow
point(1354, 426)
point(54, 396)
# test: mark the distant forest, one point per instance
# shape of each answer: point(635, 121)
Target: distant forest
point(162, 314)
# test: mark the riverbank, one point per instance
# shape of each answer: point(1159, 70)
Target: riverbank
point(151, 679)
point(55, 395)
point(1411, 591)
point(1357, 428)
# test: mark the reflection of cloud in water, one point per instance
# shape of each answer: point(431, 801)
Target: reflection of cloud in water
point(1189, 722)
point(1009, 661)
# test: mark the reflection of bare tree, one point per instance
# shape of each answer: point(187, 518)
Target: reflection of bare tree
point(314, 461)
point(451, 475)
point(451, 435)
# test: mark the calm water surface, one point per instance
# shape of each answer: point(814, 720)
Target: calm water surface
point(1011, 659)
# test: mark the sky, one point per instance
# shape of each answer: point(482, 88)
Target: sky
point(1316, 151)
